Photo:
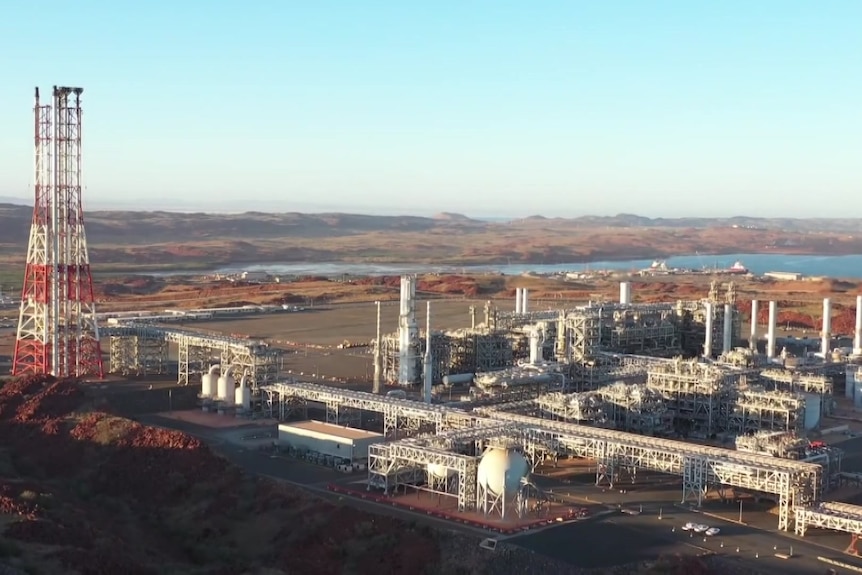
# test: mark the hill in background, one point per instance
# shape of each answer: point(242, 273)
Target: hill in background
point(167, 238)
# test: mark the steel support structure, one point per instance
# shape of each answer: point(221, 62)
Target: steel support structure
point(835, 516)
point(797, 382)
point(400, 416)
point(57, 330)
point(402, 463)
point(795, 483)
point(754, 410)
point(135, 345)
point(701, 467)
point(138, 355)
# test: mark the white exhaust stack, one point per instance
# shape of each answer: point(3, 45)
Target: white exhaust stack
point(727, 340)
point(378, 357)
point(426, 368)
point(752, 338)
point(826, 335)
point(707, 340)
point(524, 300)
point(408, 333)
point(535, 354)
point(625, 293)
point(857, 335)
point(770, 334)
point(518, 300)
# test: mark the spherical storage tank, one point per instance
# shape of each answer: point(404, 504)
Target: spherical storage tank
point(225, 386)
point(501, 471)
point(206, 385)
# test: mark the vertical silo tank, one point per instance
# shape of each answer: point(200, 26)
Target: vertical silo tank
point(501, 471)
point(206, 385)
point(226, 385)
point(242, 396)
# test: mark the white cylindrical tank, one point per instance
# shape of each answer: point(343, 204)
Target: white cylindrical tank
point(857, 332)
point(535, 350)
point(207, 385)
point(625, 293)
point(457, 378)
point(727, 329)
point(707, 340)
point(771, 327)
point(501, 471)
point(812, 411)
point(242, 395)
point(226, 385)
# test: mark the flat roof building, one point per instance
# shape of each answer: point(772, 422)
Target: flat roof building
point(336, 441)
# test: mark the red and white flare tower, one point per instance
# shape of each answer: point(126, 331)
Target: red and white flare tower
point(57, 329)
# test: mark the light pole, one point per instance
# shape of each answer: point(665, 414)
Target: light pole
point(740, 510)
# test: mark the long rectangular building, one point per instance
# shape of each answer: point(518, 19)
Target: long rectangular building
point(347, 443)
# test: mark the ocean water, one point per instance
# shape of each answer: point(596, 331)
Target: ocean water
point(831, 266)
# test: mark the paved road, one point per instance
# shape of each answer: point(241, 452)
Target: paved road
point(624, 538)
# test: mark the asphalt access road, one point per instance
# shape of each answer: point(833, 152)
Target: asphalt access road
point(621, 538)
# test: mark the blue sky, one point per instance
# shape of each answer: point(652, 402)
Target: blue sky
point(655, 107)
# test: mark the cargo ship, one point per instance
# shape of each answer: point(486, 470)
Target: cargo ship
point(736, 269)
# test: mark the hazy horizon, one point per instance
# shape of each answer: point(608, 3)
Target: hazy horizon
point(226, 209)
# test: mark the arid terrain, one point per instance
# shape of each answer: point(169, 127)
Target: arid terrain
point(164, 240)
point(800, 302)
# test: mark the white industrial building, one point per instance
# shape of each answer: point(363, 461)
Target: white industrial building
point(347, 443)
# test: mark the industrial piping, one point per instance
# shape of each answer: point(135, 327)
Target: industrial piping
point(770, 334)
point(752, 338)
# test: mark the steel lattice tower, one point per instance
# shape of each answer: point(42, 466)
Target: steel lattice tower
point(57, 330)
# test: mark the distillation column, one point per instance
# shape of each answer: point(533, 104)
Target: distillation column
point(535, 347)
point(727, 327)
point(857, 334)
point(518, 300)
point(408, 333)
point(826, 334)
point(770, 333)
point(707, 340)
point(378, 357)
point(524, 299)
point(752, 338)
point(625, 293)
point(427, 370)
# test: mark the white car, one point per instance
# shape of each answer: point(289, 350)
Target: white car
point(700, 528)
point(712, 531)
point(688, 526)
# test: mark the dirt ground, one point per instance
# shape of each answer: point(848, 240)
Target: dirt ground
point(332, 325)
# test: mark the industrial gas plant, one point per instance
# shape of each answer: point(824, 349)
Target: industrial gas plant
point(471, 415)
